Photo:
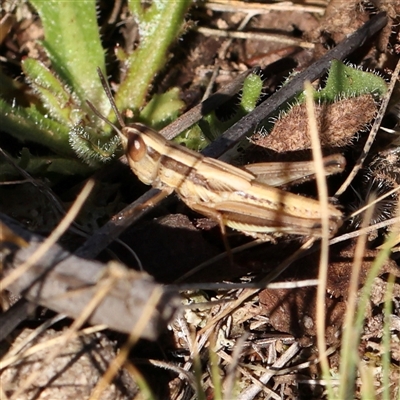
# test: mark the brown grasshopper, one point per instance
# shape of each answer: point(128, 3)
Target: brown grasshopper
point(232, 196)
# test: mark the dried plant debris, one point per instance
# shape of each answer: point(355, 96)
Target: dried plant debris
point(380, 177)
point(293, 310)
point(345, 106)
point(392, 8)
point(246, 336)
point(341, 18)
point(337, 123)
point(72, 374)
point(67, 284)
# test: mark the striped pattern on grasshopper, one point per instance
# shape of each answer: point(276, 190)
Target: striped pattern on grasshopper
point(233, 196)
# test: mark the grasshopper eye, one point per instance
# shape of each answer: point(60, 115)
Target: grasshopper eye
point(136, 148)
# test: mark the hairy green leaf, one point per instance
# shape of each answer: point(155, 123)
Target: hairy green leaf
point(72, 41)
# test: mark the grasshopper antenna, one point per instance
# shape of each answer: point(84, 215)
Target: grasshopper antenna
point(113, 105)
point(110, 97)
point(103, 118)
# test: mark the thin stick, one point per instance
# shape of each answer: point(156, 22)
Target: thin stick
point(261, 8)
point(256, 36)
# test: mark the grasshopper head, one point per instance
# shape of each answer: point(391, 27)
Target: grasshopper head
point(141, 144)
point(141, 147)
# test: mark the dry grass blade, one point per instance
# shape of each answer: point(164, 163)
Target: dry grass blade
point(348, 343)
point(323, 262)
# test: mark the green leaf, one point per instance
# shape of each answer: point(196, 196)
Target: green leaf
point(159, 26)
point(72, 41)
point(28, 124)
point(212, 127)
point(91, 146)
point(347, 81)
point(193, 138)
point(162, 109)
point(42, 166)
point(61, 105)
point(57, 115)
point(252, 87)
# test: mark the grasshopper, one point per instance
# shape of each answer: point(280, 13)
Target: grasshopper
point(232, 196)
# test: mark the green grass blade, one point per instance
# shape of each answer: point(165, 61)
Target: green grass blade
point(386, 339)
point(72, 41)
point(28, 124)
